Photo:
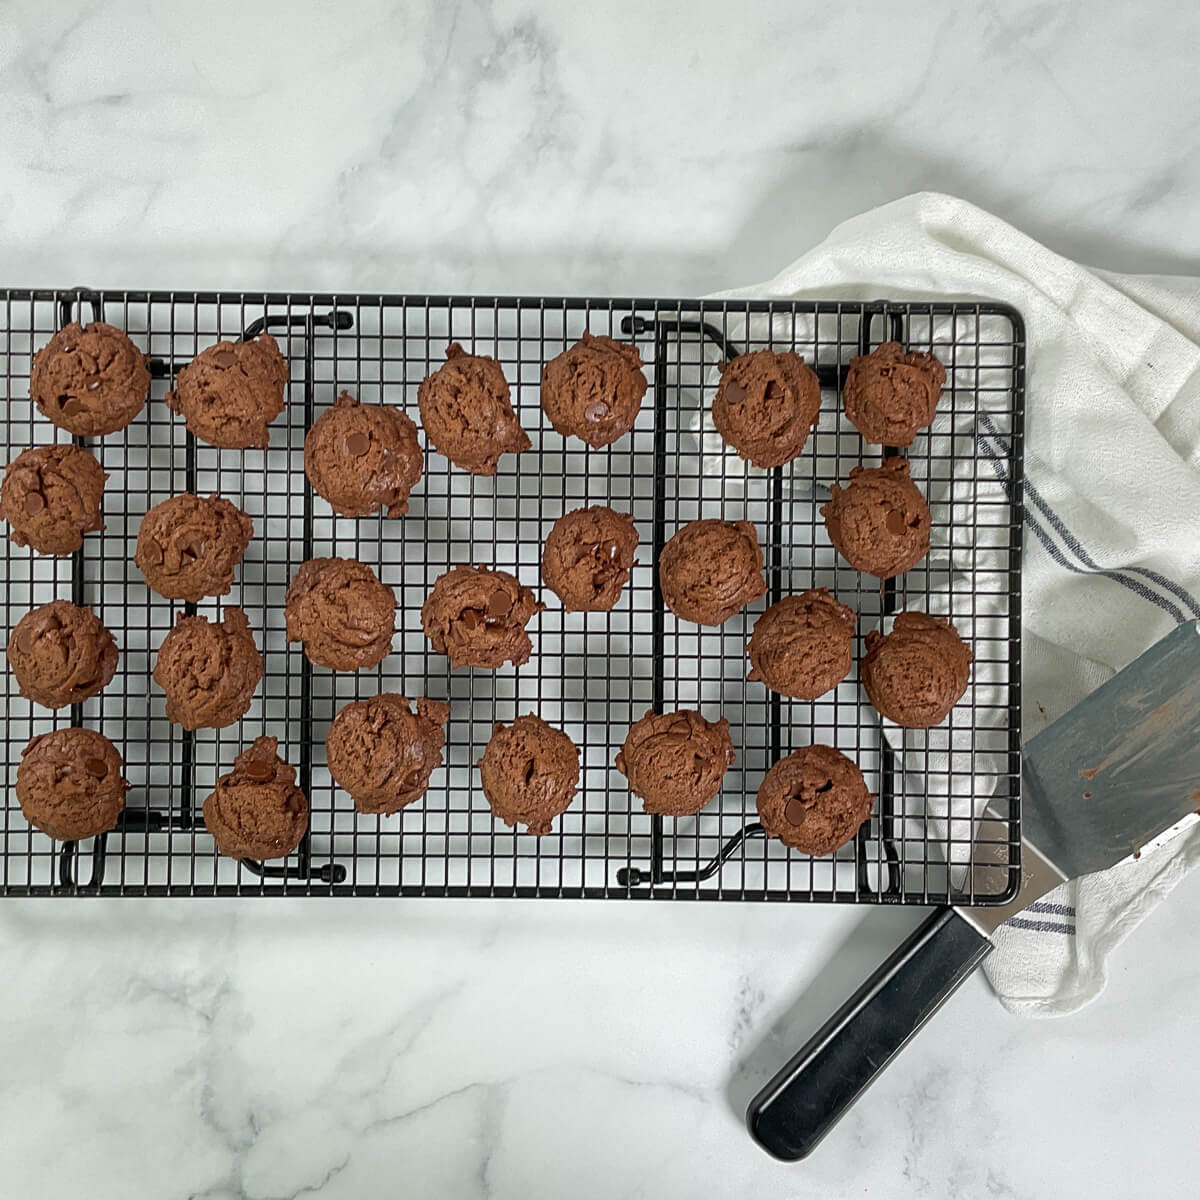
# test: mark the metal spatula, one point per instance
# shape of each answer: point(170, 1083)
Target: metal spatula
point(1116, 774)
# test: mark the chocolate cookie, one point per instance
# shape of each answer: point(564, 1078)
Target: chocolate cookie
point(890, 396)
point(594, 390)
point(803, 645)
point(383, 752)
point(588, 556)
point(530, 771)
point(61, 655)
point(363, 457)
point(257, 811)
point(89, 381)
point(814, 800)
point(208, 671)
point(710, 569)
point(675, 761)
point(467, 413)
point(917, 673)
point(765, 405)
point(340, 611)
point(879, 522)
point(69, 784)
point(189, 548)
point(229, 393)
point(51, 498)
point(478, 616)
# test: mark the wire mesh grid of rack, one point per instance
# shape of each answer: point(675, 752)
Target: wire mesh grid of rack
point(591, 674)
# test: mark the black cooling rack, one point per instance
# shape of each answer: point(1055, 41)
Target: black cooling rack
point(592, 674)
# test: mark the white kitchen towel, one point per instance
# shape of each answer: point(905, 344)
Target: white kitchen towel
point(1111, 505)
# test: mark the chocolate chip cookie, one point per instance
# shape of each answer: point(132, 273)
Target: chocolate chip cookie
point(229, 393)
point(209, 671)
point(879, 522)
point(51, 497)
point(530, 771)
point(675, 761)
point(803, 645)
point(383, 750)
point(468, 414)
point(594, 390)
point(69, 784)
point(765, 406)
point(363, 457)
point(189, 548)
point(711, 569)
point(478, 616)
point(257, 811)
point(891, 395)
point(90, 381)
point(61, 654)
point(342, 614)
point(814, 800)
point(588, 556)
point(917, 673)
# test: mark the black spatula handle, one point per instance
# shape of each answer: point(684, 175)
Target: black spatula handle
point(815, 1090)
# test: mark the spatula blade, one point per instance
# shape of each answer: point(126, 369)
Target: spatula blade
point(1123, 765)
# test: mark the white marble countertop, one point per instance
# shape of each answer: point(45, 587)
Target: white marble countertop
point(359, 1049)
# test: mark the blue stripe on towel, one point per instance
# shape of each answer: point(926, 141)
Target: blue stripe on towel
point(1042, 906)
point(1076, 547)
point(1056, 552)
point(1040, 926)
